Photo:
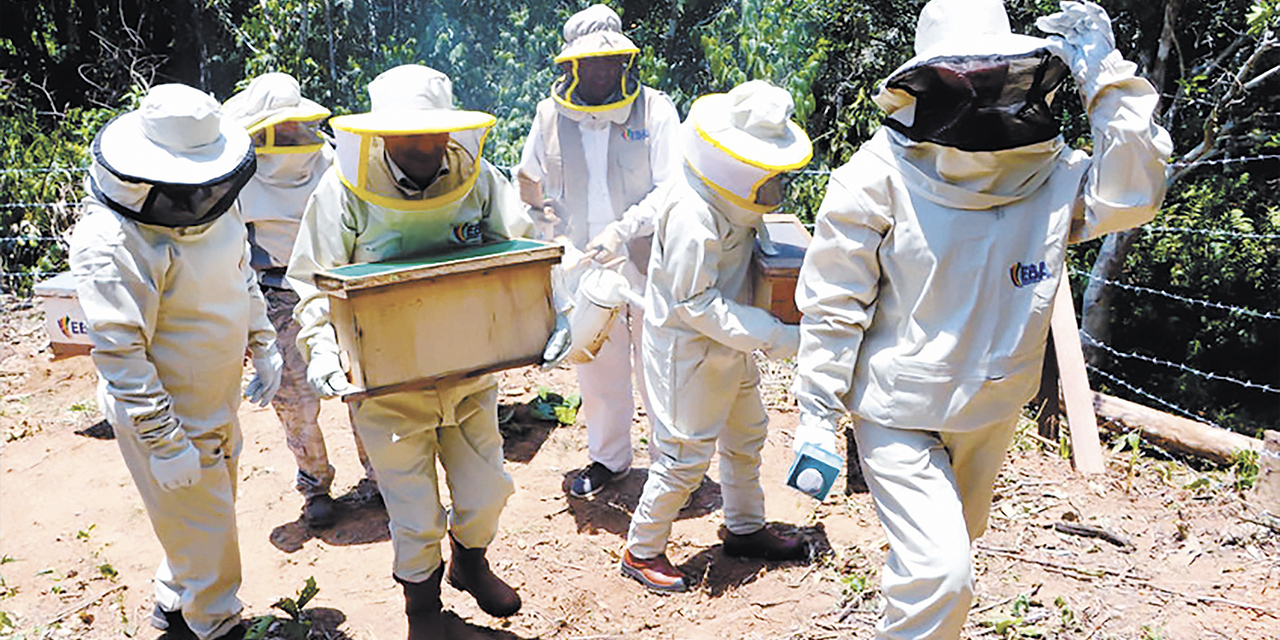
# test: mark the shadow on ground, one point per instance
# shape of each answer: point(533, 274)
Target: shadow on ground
point(611, 509)
point(522, 434)
point(362, 519)
point(717, 574)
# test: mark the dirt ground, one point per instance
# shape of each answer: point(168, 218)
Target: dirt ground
point(77, 552)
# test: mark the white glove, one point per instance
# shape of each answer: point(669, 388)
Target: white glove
point(609, 244)
point(559, 344)
point(1081, 36)
point(815, 431)
point(181, 470)
point(267, 373)
point(325, 375)
point(788, 346)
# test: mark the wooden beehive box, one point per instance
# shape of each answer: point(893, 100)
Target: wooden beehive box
point(407, 324)
point(773, 277)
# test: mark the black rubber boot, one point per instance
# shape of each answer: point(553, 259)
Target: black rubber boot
point(423, 608)
point(469, 571)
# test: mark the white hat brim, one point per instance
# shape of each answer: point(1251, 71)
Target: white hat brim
point(1011, 44)
point(413, 121)
point(124, 148)
point(598, 44)
point(710, 115)
point(305, 110)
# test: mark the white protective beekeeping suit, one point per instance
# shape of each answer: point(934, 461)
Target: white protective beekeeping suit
point(700, 329)
point(292, 156)
point(598, 170)
point(366, 210)
point(163, 276)
point(928, 287)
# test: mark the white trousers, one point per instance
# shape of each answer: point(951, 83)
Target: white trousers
point(681, 457)
point(404, 435)
point(932, 491)
point(605, 384)
point(196, 526)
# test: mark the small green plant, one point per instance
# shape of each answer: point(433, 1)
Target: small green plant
point(108, 571)
point(854, 586)
point(1150, 632)
point(84, 405)
point(83, 534)
point(6, 559)
point(5, 621)
point(1132, 440)
point(553, 407)
point(1244, 467)
point(296, 627)
point(1064, 446)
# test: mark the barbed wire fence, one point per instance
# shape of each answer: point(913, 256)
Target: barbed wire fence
point(21, 280)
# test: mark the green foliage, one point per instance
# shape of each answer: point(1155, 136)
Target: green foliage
point(1244, 469)
point(1133, 442)
point(550, 406)
point(296, 627)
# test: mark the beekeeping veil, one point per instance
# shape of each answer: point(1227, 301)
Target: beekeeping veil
point(277, 117)
point(174, 161)
point(595, 32)
point(410, 100)
point(973, 84)
point(738, 142)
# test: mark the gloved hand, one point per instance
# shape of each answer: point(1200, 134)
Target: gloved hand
point(816, 431)
point(1081, 36)
point(610, 243)
point(787, 346)
point(558, 344)
point(267, 373)
point(178, 471)
point(325, 375)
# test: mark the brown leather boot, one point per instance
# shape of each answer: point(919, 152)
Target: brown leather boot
point(764, 545)
point(656, 573)
point(422, 606)
point(469, 571)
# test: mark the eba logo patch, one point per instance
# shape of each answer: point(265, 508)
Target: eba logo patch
point(1028, 274)
point(71, 328)
point(635, 135)
point(467, 232)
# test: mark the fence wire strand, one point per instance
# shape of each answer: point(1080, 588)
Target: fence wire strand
point(1181, 367)
point(1265, 315)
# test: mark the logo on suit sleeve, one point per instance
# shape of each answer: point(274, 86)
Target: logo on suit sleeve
point(1028, 274)
point(468, 232)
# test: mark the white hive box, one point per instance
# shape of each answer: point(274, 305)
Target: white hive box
point(774, 277)
point(409, 324)
point(64, 321)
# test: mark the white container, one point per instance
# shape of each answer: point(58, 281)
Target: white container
point(64, 321)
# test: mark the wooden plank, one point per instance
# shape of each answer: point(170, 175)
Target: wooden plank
point(360, 276)
point(1171, 433)
point(1086, 451)
point(426, 383)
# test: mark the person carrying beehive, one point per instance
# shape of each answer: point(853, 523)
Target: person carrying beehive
point(937, 252)
point(700, 327)
point(600, 148)
point(410, 181)
point(292, 156)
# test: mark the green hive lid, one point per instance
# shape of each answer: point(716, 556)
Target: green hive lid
point(378, 273)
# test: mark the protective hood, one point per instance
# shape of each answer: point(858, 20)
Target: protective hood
point(737, 142)
point(277, 117)
point(410, 100)
point(966, 179)
point(973, 84)
point(283, 183)
point(593, 37)
point(173, 162)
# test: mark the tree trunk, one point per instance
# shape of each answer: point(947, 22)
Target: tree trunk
point(1095, 314)
point(1171, 433)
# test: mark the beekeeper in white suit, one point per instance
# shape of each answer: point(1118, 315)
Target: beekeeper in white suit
point(600, 148)
point(409, 180)
point(162, 272)
point(928, 286)
point(700, 329)
point(292, 155)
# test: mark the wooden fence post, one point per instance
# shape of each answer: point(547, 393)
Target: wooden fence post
point(1086, 451)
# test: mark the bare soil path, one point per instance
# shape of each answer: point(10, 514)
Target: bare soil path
point(77, 552)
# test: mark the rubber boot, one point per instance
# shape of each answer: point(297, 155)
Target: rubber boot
point(422, 606)
point(469, 571)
